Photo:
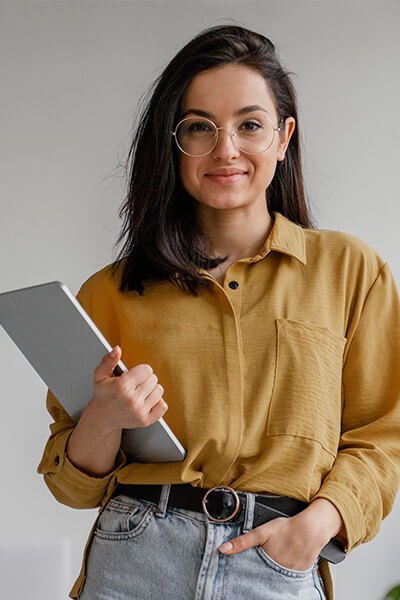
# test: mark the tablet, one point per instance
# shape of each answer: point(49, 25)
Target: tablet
point(64, 346)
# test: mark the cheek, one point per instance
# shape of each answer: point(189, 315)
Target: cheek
point(188, 169)
point(264, 171)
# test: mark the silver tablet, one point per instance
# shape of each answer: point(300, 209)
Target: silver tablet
point(64, 346)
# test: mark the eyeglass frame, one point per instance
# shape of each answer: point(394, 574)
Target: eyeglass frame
point(277, 128)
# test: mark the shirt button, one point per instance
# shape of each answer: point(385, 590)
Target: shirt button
point(57, 460)
point(233, 285)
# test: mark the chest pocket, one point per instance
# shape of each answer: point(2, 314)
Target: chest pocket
point(306, 398)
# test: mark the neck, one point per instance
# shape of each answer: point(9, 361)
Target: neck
point(241, 233)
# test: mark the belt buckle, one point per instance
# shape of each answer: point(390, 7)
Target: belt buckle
point(228, 489)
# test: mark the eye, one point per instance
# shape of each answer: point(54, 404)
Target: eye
point(251, 126)
point(199, 127)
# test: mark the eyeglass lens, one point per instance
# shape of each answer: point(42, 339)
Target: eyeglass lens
point(197, 136)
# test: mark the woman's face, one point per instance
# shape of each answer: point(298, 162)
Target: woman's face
point(219, 93)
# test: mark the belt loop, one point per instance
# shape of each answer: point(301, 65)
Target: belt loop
point(163, 502)
point(249, 512)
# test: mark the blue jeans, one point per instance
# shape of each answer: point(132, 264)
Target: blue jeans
point(144, 551)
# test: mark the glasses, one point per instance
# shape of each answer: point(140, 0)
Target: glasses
point(198, 136)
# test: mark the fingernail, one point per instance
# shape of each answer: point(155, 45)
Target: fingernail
point(226, 547)
point(113, 352)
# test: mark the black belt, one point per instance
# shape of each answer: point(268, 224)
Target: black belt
point(223, 504)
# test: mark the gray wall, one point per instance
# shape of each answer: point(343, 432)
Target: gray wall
point(71, 75)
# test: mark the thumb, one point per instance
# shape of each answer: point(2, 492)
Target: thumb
point(107, 365)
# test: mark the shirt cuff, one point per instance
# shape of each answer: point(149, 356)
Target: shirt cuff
point(349, 509)
point(68, 483)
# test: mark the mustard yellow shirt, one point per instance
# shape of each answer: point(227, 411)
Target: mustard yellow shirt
point(285, 379)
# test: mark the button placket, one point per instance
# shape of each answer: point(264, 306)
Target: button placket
point(235, 387)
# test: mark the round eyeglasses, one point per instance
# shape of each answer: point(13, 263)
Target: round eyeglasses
point(197, 136)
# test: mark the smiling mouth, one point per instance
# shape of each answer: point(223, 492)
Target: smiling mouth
point(226, 179)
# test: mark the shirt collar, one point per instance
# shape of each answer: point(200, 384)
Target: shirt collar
point(286, 237)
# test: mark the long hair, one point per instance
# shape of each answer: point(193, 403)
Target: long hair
point(161, 237)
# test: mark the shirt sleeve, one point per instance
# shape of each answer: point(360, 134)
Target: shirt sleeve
point(364, 479)
point(68, 484)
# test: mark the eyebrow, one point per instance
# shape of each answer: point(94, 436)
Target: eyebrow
point(238, 113)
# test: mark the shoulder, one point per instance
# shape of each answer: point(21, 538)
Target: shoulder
point(101, 287)
point(343, 251)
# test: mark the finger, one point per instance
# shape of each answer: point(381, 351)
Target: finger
point(139, 376)
point(154, 403)
point(158, 410)
point(152, 409)
point(243, 542)
point(107, 365)
point(155, 397)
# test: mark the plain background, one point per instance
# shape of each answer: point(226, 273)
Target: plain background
point(71, 75)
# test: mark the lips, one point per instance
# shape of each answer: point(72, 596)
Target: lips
point(225, 172)
point(226, 175)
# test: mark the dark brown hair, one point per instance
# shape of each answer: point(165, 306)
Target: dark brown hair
point(160, 233)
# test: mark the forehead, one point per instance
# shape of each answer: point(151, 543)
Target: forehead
point(223, 90)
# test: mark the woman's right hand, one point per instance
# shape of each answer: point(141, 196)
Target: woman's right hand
point(133, 399)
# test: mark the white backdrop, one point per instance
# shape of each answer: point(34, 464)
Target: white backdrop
point(71, 76)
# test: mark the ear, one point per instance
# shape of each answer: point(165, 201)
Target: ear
point(284, 137)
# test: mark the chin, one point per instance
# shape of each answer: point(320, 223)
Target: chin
point(231, 196)
point(225, 203)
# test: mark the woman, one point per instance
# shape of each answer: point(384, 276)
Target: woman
point(274, 345)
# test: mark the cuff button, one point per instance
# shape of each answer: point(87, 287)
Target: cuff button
point(57, 460)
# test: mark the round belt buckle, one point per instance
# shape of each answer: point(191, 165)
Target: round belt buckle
point(227, 489)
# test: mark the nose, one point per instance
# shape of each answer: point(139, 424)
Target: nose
point(226, 146)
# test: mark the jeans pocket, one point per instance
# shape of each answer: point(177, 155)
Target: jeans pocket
point(124, 518)
point(281, 568)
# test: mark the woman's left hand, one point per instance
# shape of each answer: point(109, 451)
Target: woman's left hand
point(293, 542)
